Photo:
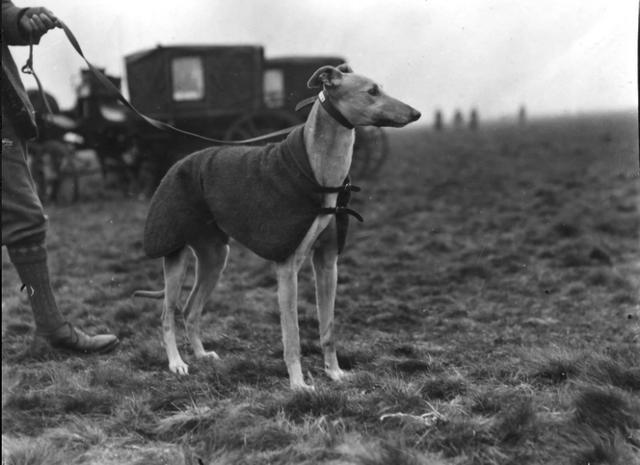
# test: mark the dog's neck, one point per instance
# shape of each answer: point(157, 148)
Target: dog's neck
point(329, 146)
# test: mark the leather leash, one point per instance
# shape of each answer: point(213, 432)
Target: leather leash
point(28, 69)
point(322, 97)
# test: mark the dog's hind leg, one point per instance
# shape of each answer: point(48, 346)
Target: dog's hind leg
point(211, 259)
point(325, 269)
point(174, 272)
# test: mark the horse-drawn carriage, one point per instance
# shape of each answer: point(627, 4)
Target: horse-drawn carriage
point(221, 92)
point(96, 122)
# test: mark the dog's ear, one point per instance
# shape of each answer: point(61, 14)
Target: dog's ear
point(327, 76)
point(345, 68)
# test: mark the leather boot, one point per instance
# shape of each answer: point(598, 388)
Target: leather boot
point(73, 339)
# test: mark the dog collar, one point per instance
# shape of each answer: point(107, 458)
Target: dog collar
point(328, 106)
point(332, 110)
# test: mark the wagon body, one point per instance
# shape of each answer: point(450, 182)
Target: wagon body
point(198, 88)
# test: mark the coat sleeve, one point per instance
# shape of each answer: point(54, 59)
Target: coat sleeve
point(11, 14)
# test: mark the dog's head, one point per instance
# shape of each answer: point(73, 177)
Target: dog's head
point(360, 99)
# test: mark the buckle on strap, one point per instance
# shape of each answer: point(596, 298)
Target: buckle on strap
point(341, 211)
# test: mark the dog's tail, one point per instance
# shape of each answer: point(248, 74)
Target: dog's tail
point(149, 294)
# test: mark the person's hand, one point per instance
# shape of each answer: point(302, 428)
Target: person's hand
point(35, 22)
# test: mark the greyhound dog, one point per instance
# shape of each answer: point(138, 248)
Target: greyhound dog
point(346, 100)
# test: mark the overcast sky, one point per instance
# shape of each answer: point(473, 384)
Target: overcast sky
point(554, 56)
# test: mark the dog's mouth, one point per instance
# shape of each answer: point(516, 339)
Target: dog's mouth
point(391, 123)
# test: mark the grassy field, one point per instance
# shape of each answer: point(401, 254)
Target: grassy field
point(488, 309)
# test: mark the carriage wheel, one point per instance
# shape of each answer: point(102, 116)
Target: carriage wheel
point(370, 152)
point(259, 123)
point(54, 171)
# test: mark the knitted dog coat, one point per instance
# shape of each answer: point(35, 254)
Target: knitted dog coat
point(265, 197)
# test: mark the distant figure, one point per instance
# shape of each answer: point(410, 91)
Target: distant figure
point(437, 123)
point(473, 120)
point(458, 119)
point(522, 116)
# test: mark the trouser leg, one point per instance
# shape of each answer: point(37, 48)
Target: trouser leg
point(23, 230)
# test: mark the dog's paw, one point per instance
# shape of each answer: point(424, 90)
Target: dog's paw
point(179, 367)
point(211, 354)
point(338, 374)
point(302, 387)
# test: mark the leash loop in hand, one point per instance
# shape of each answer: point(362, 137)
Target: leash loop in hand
point(28, 66)
point(28, 69)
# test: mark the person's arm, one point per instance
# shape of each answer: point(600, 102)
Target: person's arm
point(22, 26)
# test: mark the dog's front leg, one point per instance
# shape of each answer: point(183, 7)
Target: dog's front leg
point(325, 267)
point(288, 302)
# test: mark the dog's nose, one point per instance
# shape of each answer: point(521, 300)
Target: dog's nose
point(415, 115)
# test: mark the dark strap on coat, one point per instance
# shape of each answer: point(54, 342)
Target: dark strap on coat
point(341, 211)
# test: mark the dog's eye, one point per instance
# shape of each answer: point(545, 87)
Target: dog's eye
point(374, 91)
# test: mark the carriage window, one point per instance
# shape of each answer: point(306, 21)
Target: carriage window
point(273, 88)
point(188, 78)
